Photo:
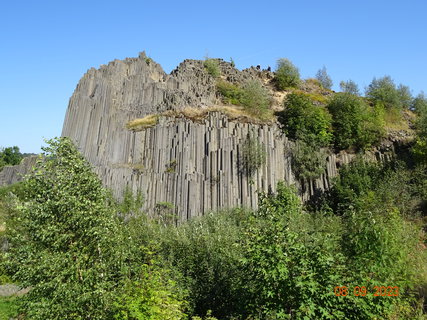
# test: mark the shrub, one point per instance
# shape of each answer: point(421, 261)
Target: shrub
point(290, 260)
point(252, 156)
point(153, 297)
point(384, 90)
point(324, 79)
point(63, 244)
point(205, 252)
point(230, 93)
point(212, 67)
point(355, 123)
point(350, 87)
point(303, 120)
point(308, 161)
point(256, 99)
point(10, 156)
point(287, 75)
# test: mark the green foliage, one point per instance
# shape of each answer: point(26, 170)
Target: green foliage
point(292, 260)
point(324, 78)
point(8, 307)
point(419, 103)
point(232, 63)
point(303, 120)
point(63, 247)
point(151, 298)
point(230, 93)
point(165, 213)
point(420, 147)
point(256, 99)
point(252, 156)
point(205, 252)
point(308, 161)
point(212, 67)
point(287, 75)
point(253, 96)
point(405, 96)
point(355, 124)
point(10, 156)
point(350, 87)
point(384, 90)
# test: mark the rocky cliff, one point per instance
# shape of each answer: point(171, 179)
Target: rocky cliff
point(193, 165)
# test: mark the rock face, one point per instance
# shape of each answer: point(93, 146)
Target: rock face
point(13, 174)
point(192, 165)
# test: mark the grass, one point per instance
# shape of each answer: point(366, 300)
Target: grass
point(314, 96)
point(143, 123)
point(199, 115)
point(394, 120)
point(8, 307)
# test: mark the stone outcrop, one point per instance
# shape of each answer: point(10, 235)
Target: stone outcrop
point(193, 165)
point(13, 174)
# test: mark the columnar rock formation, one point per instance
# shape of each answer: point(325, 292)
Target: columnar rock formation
point(192, 165)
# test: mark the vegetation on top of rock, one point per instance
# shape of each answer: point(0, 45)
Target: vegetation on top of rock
point(384, 90)
point(303, 120)
point(10, 156)
point(286, 75)
point(324, 78)
point(355, 124)
point(350, 86)
point(212, 67)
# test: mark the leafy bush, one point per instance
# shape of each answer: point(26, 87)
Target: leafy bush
point(153, 297)
point(384, 90)
point(350, 87)
point(256, 99)
point(10, 156)
point(291, 261)
point(420, 147)
point(303, 120)
point(212, 67)
point(252, 156)
point(231, 93)
point(355, 123)
point(324, 79)
point(294, 260)
point(65, 236)
point(308, 161)
point(287, 75)
point(205, 252)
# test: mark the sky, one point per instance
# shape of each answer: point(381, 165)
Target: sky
point(47, 46)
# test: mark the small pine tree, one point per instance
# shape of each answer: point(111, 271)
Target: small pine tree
point(350, 87)
point(324, 79)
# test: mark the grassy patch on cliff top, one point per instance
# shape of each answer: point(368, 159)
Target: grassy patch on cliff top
point(198, 115)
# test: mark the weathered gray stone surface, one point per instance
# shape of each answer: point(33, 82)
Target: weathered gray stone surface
point(194, 166)
point(13, 174)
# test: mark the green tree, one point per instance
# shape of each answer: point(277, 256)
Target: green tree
point(287, 75)
point(355, 123)
point(63, 247)
point(10, 156)
point(303, 120)
point(324, 78)
point(350, 86)
point(405, 96)
point(256, 99)
point(252, 156)
point(384, 90)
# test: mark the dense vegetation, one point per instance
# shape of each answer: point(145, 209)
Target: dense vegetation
point(357, 251)
point(86, 257)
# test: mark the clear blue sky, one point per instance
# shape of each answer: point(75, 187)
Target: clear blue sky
point(48, 45)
